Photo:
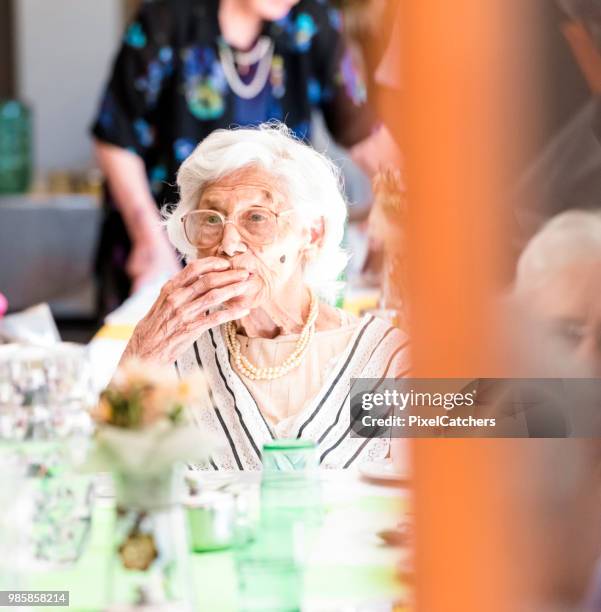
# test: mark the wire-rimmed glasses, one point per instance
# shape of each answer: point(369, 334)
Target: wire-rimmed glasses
point(204, 228)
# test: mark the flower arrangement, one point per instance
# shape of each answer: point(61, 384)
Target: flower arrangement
point(144, 428)
point(144, 422)
point(143, 394)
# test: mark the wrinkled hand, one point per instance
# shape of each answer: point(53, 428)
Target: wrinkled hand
point(180, 314)
point(149, 259)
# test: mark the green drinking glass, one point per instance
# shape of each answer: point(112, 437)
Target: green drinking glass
point(271, 567)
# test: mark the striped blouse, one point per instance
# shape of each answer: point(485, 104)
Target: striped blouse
point(376, 350)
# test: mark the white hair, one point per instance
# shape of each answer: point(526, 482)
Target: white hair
point(567, 238)
point(310, 180)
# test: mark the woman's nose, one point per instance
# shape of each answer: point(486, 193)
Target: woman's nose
point(232, 242)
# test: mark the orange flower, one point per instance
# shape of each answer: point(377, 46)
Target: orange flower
point(144, 394)
point(103, 411)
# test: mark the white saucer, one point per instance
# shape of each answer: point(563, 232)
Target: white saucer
point(384, 472)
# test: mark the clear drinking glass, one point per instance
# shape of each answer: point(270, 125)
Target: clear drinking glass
point(45, 396)
point(45, 392)
point(16, 510)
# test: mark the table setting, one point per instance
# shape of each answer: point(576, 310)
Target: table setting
point(350, 567)
point(105, 497)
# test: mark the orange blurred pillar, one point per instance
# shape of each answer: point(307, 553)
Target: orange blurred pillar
point(465, 108)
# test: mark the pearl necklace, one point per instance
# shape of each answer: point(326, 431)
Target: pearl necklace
point(247, 369)
point(251, 90)
point(248, 58)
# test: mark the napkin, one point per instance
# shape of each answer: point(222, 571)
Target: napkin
point(34, 325)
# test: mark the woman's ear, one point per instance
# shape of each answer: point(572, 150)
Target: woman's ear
point(316, 235)
point(317, 232)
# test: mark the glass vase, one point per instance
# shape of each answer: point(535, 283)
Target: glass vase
point(150, 567)
point(15, 147)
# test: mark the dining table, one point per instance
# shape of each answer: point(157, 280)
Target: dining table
point(350, 567)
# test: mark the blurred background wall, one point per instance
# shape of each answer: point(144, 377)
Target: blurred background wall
point(55, 57)
point(6, 49)
point(62, 54)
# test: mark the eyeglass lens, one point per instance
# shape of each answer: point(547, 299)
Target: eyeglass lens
point(204, 228)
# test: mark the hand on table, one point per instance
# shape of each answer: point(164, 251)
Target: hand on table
point(180, 314)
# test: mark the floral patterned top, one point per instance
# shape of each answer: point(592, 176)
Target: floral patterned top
point(168, 90)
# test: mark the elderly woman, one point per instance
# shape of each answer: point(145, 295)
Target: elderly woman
point(260, 222)
point(558, 281)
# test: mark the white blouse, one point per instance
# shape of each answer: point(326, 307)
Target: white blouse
point(310, 402)
point(280, 400)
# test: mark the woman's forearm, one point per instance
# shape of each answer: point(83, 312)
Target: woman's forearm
point(129, 188)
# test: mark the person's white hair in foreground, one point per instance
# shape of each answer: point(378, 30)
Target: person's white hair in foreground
point(260, 223)
point(558, 281)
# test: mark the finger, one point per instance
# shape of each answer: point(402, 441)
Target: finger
point(191, 330)
point(203, 285)
point(196, 268)
point(213, 280)
point(241, 301)
point(178, 337)
point(206, 265)
point(185, 315)
point(213, 299)
point(223, 316)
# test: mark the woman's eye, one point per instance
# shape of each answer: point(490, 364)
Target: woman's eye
point(257, 217)
point(570, 332)
point(213, 220)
